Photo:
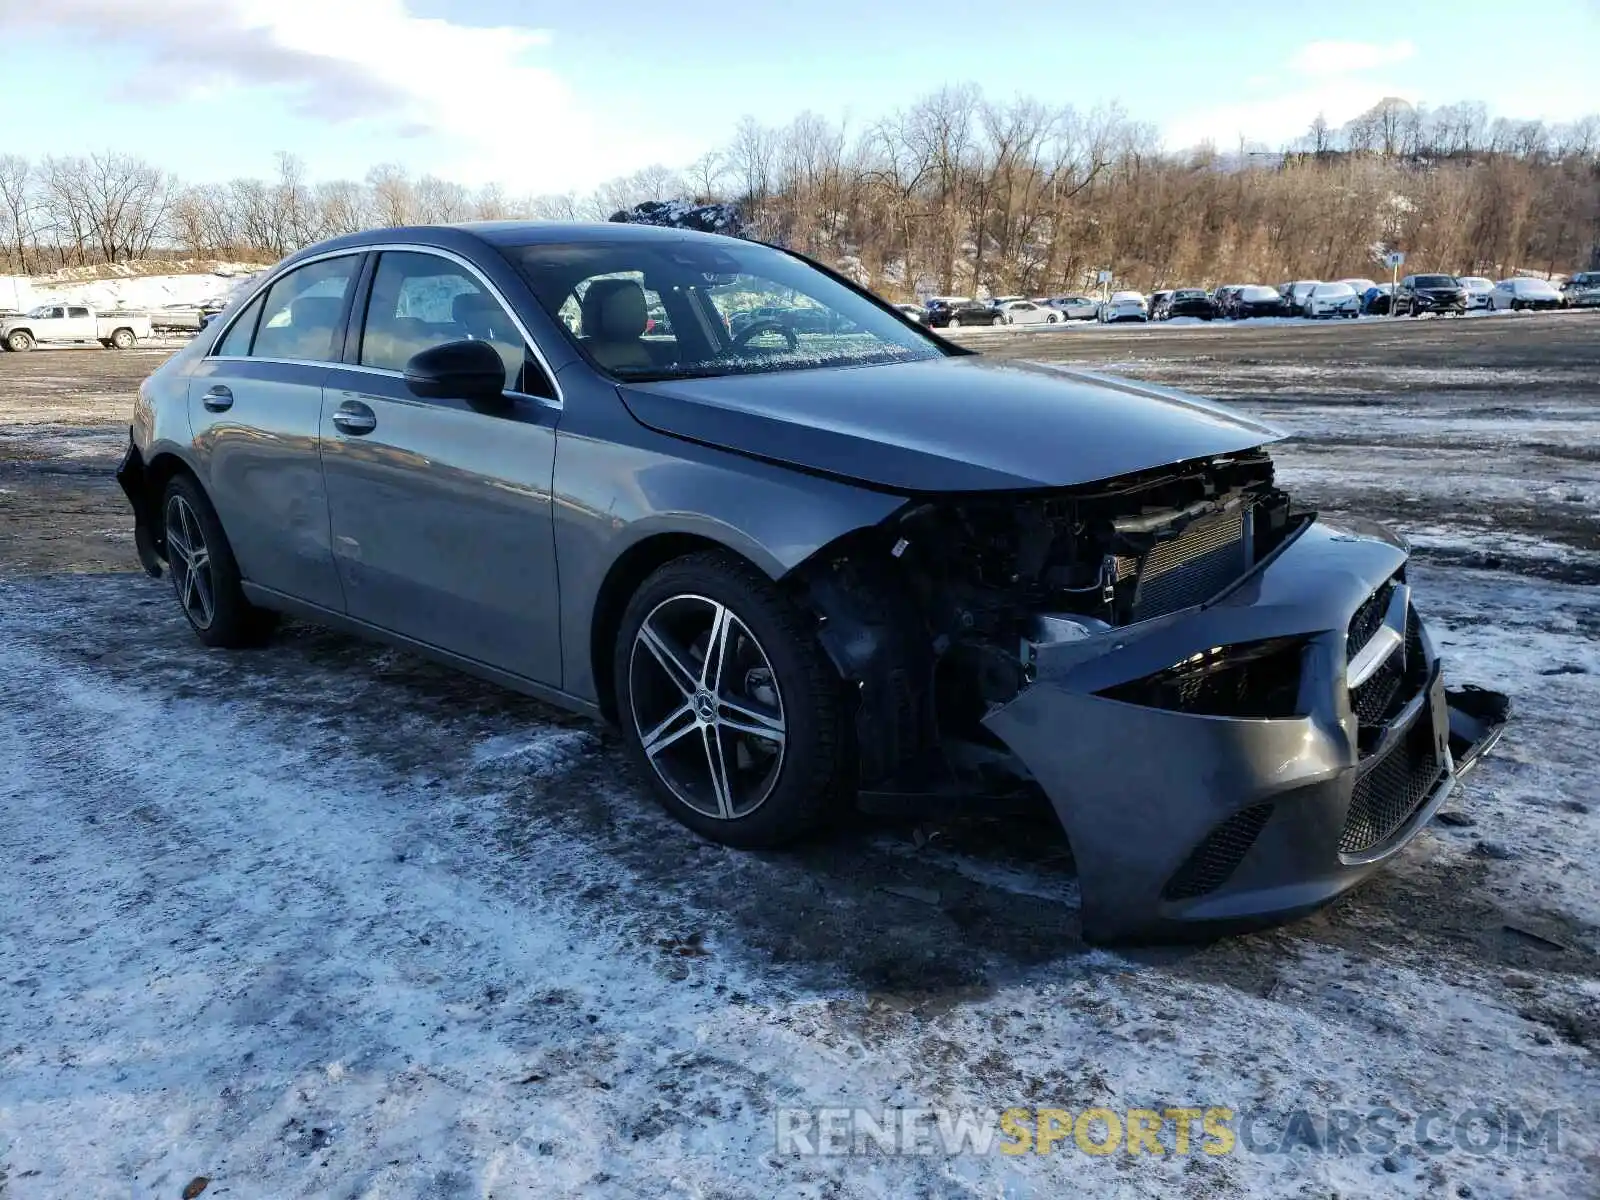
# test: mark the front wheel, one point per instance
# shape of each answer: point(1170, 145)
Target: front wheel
point(1052, 319)
point(21, 341)
point(205, 576)
point(728, 705)
point(955, 322)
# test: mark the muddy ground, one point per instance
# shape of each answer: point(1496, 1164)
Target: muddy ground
point(302, 815)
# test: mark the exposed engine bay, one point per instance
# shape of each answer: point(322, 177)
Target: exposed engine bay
point(935, 614)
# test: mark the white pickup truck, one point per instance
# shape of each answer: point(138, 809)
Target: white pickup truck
point(52, 323)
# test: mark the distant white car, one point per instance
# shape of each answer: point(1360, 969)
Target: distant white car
point(914, 311)
point(1076, 308)
point(1360, 286)
point(1026, 312)
point(1332, 300)
point(1478, 290)
point(1519, 294)
point(1124, 306)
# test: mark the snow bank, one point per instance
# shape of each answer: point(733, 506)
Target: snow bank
point(114, 288)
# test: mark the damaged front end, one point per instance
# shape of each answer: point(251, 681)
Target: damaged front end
point(1232, 706)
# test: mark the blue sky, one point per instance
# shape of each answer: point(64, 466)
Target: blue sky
point(550, 97)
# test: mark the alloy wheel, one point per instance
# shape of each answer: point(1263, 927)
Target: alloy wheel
point(707, 706)
point(190, 560)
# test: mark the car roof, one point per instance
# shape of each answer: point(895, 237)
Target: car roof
point(467, 234)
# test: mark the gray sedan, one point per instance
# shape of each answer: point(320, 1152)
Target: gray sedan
point(801, 563)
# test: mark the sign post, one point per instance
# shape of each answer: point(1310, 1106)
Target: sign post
point(1393, 260)
point(1103, 278)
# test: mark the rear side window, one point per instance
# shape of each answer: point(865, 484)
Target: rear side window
point(237, 343)
point(420, 301)
point(77, 312)
point(304, 312)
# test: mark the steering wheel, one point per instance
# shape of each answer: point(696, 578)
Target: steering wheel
point(741, 338)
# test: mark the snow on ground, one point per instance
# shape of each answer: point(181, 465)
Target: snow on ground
point(322, 919)
point(288, 921)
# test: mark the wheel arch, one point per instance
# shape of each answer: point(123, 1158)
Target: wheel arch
point(625, 576)
point(158, 473)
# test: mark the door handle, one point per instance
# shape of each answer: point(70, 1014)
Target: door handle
point(217, 398)
point(354, 418)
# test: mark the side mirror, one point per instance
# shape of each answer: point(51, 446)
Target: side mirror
point(471, 371)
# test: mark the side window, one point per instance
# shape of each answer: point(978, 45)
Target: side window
point(421, 300)
point(303, 312)
point(56, 314)
point(77, 312)
point(237, 343)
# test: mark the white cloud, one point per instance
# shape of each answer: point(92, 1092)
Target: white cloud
point(1338, 80)
point(1346, 58)
point(488, 107)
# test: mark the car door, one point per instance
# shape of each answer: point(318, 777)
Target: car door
point(78, 326)
point(440, 509)
point(255, 408)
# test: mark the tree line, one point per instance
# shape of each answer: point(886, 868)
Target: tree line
point(956, 193)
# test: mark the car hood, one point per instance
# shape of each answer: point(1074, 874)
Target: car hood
point(947, 425)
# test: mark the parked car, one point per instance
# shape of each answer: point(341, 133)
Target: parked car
point(1477, 290)
point(1076, 308)
point(1519, 294)
point(1155, 301)
point(1256, 300)
point(1124, 306)
point(999, 302)
point(944, 313)
point(1359, 286)
point(1026, 312)
point(398, 434)
point(1418, 294)
point(1295, 295)
point(1582, 290)
point(914, 311)
point(1375, 300)
point(55, 324)
point(1333, 300)
point(1186, 302)
point(1224, 296)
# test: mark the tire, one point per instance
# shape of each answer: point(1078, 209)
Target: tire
point(208, 592)
point(791, 750)
point(1052, 319)
point(123, 339)
point(20, 342)
point(955, 323)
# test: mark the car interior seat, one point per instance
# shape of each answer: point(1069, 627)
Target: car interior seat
point(614, 317)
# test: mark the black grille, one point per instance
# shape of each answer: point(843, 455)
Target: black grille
point(1192, 567)
point(1390, 789)
point(1375, 698)
point(1218, 856)
point(1368, 619)
point(1388, 689)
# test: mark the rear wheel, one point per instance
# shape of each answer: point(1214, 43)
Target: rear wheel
point(123, 339)
point(728, 705)
point(21, 341)
point(205, 577)
point(955, 322)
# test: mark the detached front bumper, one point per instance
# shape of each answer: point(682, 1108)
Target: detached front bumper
point(1185, 824)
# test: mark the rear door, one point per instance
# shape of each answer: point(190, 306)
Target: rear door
point(255, 406)
point(441, 512)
